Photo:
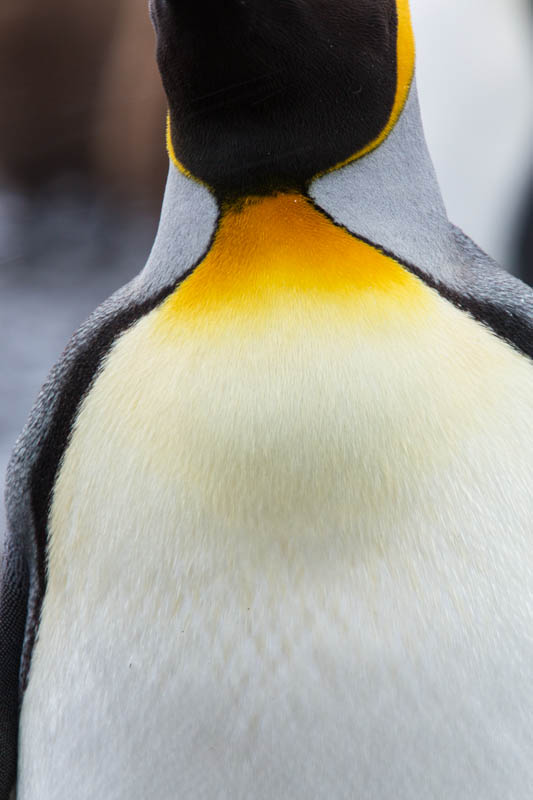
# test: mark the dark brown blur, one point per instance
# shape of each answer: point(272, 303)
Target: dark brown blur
point(80, 92)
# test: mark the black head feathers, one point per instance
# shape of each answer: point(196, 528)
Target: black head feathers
point(266, 94)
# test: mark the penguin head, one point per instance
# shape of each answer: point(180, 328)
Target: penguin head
point(264, 95)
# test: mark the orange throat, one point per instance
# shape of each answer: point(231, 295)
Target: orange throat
point(281, 251)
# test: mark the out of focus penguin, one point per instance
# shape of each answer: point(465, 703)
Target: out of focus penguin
point(271, 520)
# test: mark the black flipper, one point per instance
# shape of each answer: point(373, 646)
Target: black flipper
point(14, 590)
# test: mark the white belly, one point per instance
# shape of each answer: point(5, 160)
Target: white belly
point(297, 565)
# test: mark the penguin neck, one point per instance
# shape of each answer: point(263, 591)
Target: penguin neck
point(390, 198)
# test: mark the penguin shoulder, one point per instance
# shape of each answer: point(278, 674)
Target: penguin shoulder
point(493, 296)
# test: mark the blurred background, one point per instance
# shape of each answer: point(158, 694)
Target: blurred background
point(83, 164)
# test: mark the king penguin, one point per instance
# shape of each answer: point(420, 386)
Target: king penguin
point(271, 519)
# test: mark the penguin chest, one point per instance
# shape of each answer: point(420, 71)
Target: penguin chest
point(300, 379)
point(283, 400)
point(294, 496)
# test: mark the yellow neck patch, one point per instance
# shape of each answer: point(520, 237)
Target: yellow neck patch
point(281, 251)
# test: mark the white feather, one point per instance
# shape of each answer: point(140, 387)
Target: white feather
point(307, 576)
